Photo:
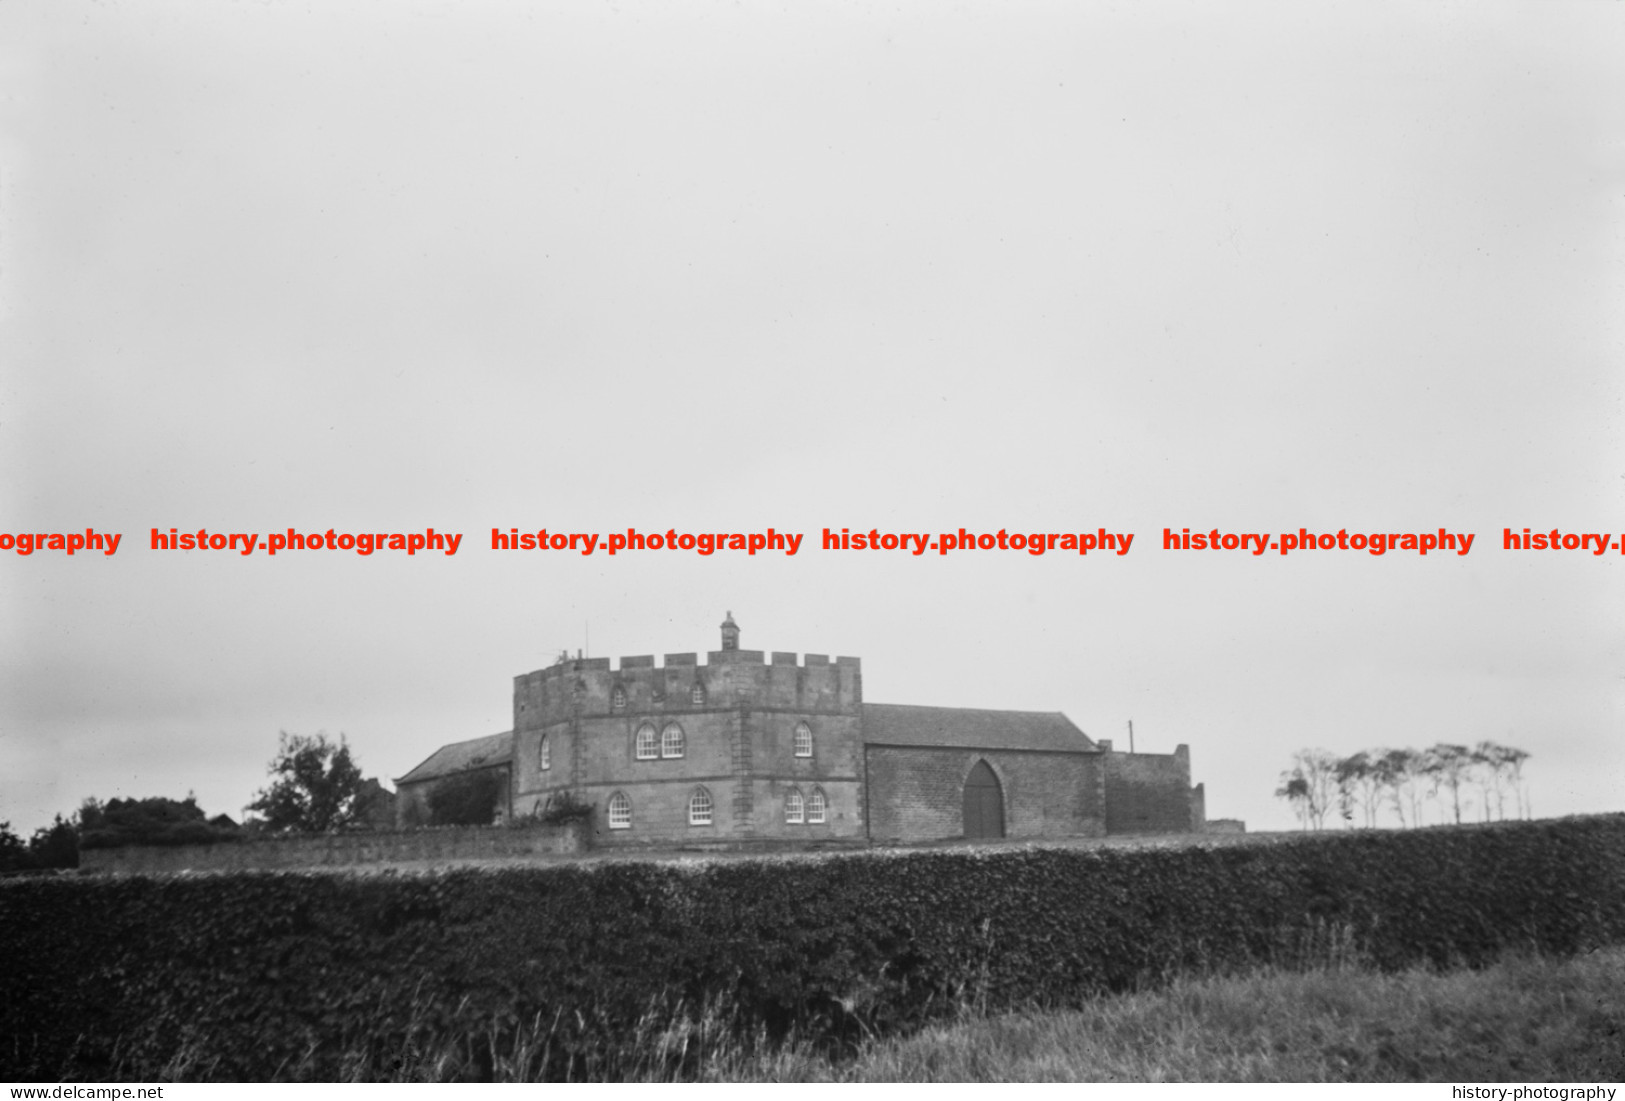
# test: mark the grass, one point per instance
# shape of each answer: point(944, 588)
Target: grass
point(1525, 1019)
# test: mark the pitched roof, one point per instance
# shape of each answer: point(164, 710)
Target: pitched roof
point(971, 728)
point(493, 749)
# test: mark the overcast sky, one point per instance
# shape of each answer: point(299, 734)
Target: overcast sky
point(725, 266)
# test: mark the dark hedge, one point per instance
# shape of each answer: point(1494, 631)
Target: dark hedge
point(469, 799)
point(279, 974)
point(151, 821)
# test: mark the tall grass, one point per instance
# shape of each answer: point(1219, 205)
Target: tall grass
point(672, 1041)
point(1523, 1019)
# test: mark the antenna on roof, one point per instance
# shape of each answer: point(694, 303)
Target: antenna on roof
point(1131, 735)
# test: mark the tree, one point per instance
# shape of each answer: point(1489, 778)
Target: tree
point(1359, 780)
point(1501, 766)
point(53, 846)
point(1399, 771)
point(1489, 772)
point(1449, 766)
point(1310, 785)
point(13, 850)
point(1295, 790)
point(1512, 760)
point(315, 785)
point(56, 845)
point(1387, 765)
point(155, 820)
point(1344, 774)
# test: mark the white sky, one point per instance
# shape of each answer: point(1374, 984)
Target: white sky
point(713, 266)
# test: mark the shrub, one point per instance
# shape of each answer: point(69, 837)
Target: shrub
point(466, 799)
point(564, 807)
point(120, 977)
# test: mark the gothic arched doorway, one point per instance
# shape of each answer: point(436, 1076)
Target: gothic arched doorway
point(984, 803)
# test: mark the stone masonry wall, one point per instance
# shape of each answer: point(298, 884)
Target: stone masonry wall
point(738, 712)
point(917, 794)
point(1151, 793)
point(449, 845)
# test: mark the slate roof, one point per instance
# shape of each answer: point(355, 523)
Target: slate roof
point(493, 749)
point(971, 728)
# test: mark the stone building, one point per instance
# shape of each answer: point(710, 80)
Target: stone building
point(490, 757)
point(753, 747)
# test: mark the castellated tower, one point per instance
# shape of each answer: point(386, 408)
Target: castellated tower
point(747, 747)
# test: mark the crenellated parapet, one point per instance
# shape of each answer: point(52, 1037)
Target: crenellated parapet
point(566, 666)
point(726, 679)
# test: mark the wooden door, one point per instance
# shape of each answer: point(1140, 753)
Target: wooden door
point(984, 803)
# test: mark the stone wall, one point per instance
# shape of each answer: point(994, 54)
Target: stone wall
point(450, 845)
point(917, 793)
point(1151, 793)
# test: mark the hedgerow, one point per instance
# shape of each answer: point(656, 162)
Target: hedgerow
point(318, 975)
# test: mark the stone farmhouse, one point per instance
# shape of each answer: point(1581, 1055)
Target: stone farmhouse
point(756, 748)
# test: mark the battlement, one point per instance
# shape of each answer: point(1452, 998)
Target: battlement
point(573, 688)
point(689, 661)
point(734, 657)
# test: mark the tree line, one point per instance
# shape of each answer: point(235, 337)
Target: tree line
point(316, 787)
point(1364, 785)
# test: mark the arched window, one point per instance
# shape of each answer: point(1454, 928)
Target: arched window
point(699, 808)
point(620, 811)
point(648, 742)
point(696, 695)
point(545, 758)
point(803, 740)
point(816, 806)
point(617, 699)
point(671, 741)
point(795, 811)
